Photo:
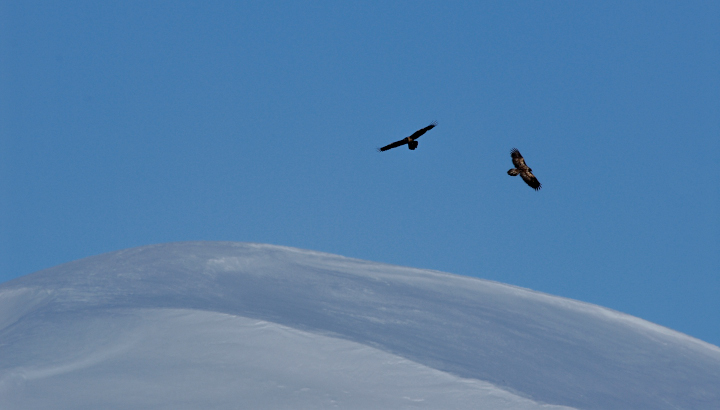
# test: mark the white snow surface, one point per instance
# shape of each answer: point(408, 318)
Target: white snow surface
point(224, 325)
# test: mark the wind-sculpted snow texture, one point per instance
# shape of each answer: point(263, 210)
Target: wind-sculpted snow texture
point(237, 325)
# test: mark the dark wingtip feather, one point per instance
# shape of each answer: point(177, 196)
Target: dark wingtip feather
point(429, 127)
point(514, 151)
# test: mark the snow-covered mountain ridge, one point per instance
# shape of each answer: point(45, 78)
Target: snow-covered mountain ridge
point(238, 325)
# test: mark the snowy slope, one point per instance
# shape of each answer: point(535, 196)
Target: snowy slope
point(236, 325)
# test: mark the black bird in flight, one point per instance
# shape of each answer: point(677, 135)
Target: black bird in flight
point(412, 144)
point(522, 169)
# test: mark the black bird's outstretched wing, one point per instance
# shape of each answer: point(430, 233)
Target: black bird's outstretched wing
point(413, 137)
point(422, 131)
point(394, 145)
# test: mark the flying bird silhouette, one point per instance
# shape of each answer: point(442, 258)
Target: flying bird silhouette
point(522, 169)
point(412, 144)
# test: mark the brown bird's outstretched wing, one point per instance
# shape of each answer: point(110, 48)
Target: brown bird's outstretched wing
point(530, 179)
point(517, 159)
point(394, 145)
point(422, 131)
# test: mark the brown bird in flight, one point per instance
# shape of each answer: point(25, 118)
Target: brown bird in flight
point(522, 169)
point(412, 144)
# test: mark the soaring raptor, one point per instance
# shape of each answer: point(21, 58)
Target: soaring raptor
point(522, 169)
point(412, 144)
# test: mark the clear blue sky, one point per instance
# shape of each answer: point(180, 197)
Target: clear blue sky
point(129, 123)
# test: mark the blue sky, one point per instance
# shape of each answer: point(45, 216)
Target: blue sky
point(131, 123)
